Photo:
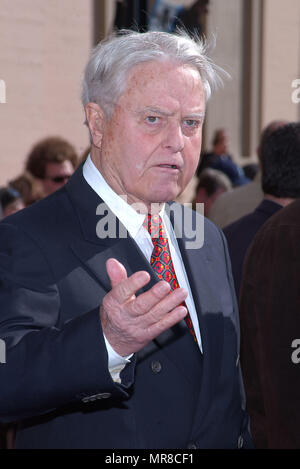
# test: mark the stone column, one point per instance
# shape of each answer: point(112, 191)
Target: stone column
point(44, 46)
point(280, 59)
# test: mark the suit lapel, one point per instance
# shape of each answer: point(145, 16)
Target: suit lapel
point(126, 251)
point(200, 271)
point(93, 250)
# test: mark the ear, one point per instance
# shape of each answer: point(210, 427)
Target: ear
point(95, 118)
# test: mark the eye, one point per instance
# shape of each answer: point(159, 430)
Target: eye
point(192, 123)
point(152, 119)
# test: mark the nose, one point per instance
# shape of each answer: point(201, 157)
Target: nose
point(174, 139)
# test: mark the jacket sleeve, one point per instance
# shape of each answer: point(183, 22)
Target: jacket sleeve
point(46, 366)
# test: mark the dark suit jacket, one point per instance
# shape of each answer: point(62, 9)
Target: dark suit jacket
point(270, 323)
point(56, 379)
point(240, 234)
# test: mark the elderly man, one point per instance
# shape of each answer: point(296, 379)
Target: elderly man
point(104, 350)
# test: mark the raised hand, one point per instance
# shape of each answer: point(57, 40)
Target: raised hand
point(128, 321)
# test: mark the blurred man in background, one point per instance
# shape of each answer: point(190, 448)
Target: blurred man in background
point(220, 159)
point(212, 183)
point(280, 165)
point(52, 162)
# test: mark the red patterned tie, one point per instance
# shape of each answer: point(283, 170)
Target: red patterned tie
point(161, 260)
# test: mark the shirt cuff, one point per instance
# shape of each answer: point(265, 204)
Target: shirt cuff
point(116, 363)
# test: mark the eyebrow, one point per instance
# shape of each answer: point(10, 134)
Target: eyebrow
point(155, 110)
point(199, 115)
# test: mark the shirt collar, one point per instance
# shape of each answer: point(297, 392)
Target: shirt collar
point(129, 217)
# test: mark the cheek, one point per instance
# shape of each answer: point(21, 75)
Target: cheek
point(193, 155)
point(138, 153)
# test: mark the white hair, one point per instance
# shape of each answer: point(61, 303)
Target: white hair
point(106, 73)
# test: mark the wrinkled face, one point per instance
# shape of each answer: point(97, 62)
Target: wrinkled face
point(56, 176)
point(150, 147)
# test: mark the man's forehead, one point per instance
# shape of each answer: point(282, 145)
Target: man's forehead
point(156, 85)
point(156, 69)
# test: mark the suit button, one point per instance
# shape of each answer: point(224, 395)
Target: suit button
point(192, 446)
point(156, 366)
point(240, 442)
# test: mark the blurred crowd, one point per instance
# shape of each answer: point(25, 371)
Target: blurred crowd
point(48, 166)
point(258, 209)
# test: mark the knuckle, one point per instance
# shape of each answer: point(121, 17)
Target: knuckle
point(140, 304)
point(122, 290)
point(107, 302)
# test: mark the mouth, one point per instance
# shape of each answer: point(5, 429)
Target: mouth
point(169, 166)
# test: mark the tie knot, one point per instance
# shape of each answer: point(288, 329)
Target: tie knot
point(154, 226)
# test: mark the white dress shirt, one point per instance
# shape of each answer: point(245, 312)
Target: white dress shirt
point(133, 222)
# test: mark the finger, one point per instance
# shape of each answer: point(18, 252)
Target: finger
point(127, 288)
point(166, 305)
point(115, 271)
point(167, 321)
point(146, 301)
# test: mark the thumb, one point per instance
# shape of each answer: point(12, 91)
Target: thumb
point(115, 271)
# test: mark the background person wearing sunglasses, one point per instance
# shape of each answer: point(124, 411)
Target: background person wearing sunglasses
point(52, 161)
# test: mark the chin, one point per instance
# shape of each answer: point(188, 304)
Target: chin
point(166, 196)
